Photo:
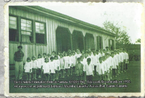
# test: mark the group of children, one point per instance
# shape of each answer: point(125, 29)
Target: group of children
point(83, 65)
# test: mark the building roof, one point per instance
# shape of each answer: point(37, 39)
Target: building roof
point(64, 18)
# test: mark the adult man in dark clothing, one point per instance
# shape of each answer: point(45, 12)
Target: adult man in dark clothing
point(18, 57)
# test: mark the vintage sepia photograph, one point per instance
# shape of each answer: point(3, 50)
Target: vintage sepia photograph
point(74, 48)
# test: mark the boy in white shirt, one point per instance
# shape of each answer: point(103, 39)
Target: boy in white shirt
point(28, 68)
point(43, 58)
point(126, 59)
point(46, 69)
point(113, 65)
point(34, 67)
point(116, 63)
point(104, 60)
point(79, 70)
point(95, 61)
point(89, 70)
point(70, 63)
point(39, 66)
point(84, 62)
point(122, 60)
point(57, 67)
point(74, 61)
point(61, 66)
point(110, 62)
point(66, 62)
point(52, 69)
point(100, 68)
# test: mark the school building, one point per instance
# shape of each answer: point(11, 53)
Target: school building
point(40, 30)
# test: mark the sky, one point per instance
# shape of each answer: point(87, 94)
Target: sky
point(127, 16)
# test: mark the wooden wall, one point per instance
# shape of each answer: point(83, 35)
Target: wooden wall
point(51, 26)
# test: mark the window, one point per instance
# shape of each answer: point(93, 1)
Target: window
point(13, 29)
point(40, 32)
point(26, 30)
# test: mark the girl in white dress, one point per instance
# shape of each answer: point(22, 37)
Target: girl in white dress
point(28, 68)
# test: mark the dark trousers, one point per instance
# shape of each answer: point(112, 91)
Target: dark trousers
point(89, 78)
point(52, 77)
point(126, 66)
point(95, 70)
point(47, 77)
point(67, 72)
point(39, 72)
point(57, 74)
point(113, 72)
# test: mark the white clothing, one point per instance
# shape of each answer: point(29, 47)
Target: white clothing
point(84, 62)
point(66, 62)
point(61, 63)
point(56, 64)
point(78, 55)
point(34, 64)
point(52, 67)
point(39, 60)
point(89, 69)
point(46, 67)
point(73, 58)
point(70, 62)
point(28, 67)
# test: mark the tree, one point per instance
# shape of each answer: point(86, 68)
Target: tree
point(138, 41)
point(121, 35)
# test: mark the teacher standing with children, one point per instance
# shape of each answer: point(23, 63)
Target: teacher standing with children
point(18, 57)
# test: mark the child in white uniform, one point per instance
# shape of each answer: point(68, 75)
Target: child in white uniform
point(89, 70)
point(70, 63)
point(105, 67)
point(39, 66)
point(84, 62)
point(66, 62)
point(61, 65)
point(110, 60)
point(113, 65)
point(34, 67)
point(28, 68)
point(43, 58)
point(100, 68)
point(52, 69)
point(74, 60)
point(79, 70)
point(57, 67)
point(46, 69)
point(96, 61)
point(116, 63)
point(126, 59)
